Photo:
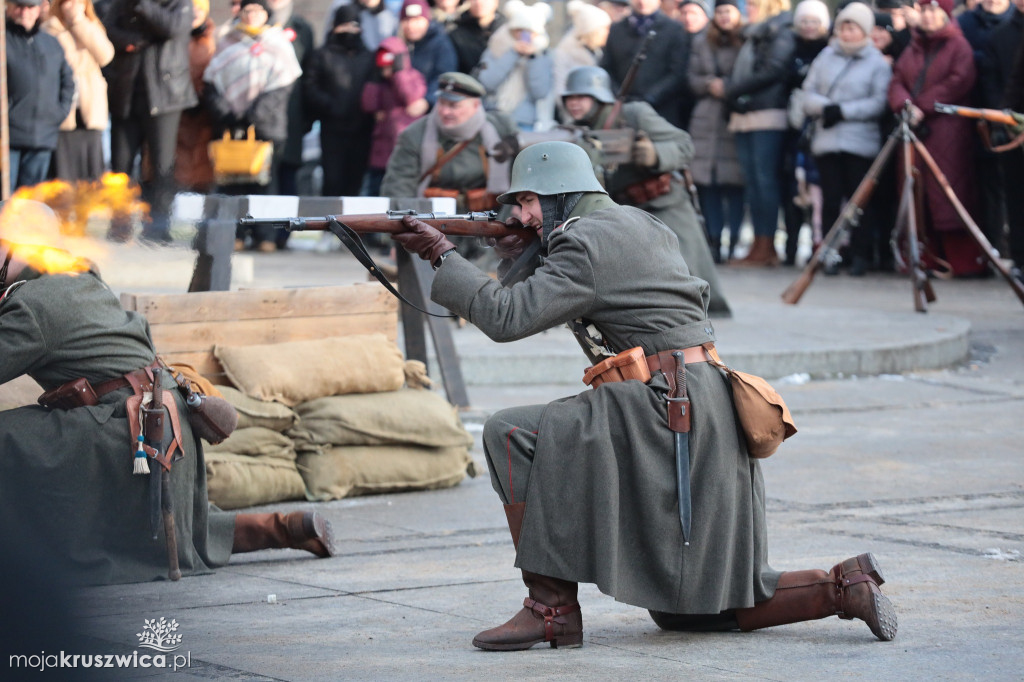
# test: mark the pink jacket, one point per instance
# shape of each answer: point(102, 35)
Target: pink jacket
point(387, 99)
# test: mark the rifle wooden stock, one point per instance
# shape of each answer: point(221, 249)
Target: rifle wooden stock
point(855, 205)
point(478, 225)
point(1006, 117)
point(627, 82)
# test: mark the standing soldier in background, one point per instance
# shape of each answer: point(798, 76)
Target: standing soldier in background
point(652, 181)
point(445, 154)
point(661, 79)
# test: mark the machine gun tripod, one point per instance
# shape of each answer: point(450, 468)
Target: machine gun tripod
point(906, 230)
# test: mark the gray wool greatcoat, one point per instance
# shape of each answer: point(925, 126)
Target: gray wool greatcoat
point(597, 470)
point(675, 152)
point(66, 475)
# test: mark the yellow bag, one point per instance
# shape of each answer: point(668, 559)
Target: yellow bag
point(241, 161)
point(763, 415)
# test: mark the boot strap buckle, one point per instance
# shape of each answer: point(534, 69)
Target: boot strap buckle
point(550, 614)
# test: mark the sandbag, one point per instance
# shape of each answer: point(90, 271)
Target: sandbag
point(266, 413)
point(406, 416)
point(371, 469)
point(235, 481)
point(256, 441)
point(299, 371)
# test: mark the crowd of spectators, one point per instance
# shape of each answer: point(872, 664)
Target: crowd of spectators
point(787, 105)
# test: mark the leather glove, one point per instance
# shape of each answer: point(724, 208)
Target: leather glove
point(644, 153)
point(425, 241)
point(509, 247)
point(831, 115)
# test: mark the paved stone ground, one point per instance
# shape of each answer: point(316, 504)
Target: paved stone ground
point(921, 468)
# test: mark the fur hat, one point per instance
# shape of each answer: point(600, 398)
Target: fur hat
point(586, 18)
point(813, 8)
point(529, 17)
point(858, 13)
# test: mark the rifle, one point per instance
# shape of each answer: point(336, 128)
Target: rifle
point(347, 228)
point(1008, 118)
point(627, 82)
point(850, 215)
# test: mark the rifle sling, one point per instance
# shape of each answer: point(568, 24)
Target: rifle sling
point(350, 238)
point(444, 158)
point(986, 138)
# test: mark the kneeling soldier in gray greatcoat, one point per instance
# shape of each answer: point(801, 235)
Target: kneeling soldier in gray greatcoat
point(590, 482)
point(66, 470)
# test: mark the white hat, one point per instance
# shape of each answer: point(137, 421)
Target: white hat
point(860, 14)
point(586, 18)
point(814, 8)
point(529, 17)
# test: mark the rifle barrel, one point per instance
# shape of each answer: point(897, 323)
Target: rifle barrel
point(381, 223)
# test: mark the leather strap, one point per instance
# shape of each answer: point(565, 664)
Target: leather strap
point(550, 614)
point(442, 159)
point(142, 376)
point(663, 360)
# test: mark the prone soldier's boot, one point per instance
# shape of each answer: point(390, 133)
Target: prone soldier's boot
point(550, 614)
point(308, 531)
point(850, 590)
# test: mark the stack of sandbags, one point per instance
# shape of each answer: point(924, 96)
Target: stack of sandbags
point(356, 429)
point(256, 463)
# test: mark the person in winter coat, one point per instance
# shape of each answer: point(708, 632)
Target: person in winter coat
point(430, 50)
point(758, 93)
point(811, 26)
point(517, 69)
point(376, 21)
point(589, 483)
point(472, 30)
point(193, 169)
point(148, 86)
point(582, 45)
point(79, 31)
point(844, 96)
point(248, 83)
point(938, 66)
point(715, 166)
point(390, 95)
point(332, 85)
point(661, 78)
point(40, 91)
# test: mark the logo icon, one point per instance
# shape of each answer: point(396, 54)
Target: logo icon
point(159, 635)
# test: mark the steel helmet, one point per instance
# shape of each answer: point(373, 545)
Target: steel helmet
point(548, 168)
point(589, 80)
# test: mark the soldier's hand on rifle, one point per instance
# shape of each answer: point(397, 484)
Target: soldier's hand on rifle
point(425, 241)
point(510, 246)
point(644, 153)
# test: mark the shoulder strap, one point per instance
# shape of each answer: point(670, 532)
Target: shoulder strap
point(444, 158)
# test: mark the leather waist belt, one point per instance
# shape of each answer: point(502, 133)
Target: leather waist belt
point(663, 361)
point(142, 376)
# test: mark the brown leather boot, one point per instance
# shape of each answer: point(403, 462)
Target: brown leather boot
point(550, 614)
point(849, 591)
point(308, 531)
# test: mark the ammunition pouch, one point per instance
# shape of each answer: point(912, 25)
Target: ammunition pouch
point(649, 189)
point(629, 364)
point(76, 393)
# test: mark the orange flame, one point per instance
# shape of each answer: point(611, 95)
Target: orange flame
point(112, 195)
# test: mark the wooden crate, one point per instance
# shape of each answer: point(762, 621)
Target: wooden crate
point(186, 327)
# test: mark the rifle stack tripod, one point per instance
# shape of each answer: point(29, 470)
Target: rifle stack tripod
point(906, 231)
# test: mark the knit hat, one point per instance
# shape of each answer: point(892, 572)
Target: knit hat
point(860, 14)
point(346, 14)
point(813, 8)
point(529, 17)
point(700, 3)
point(586, 18)
point(734, 3)
point(945, 5)
point(888, 4)
point(414, 8)
point(261, 3)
